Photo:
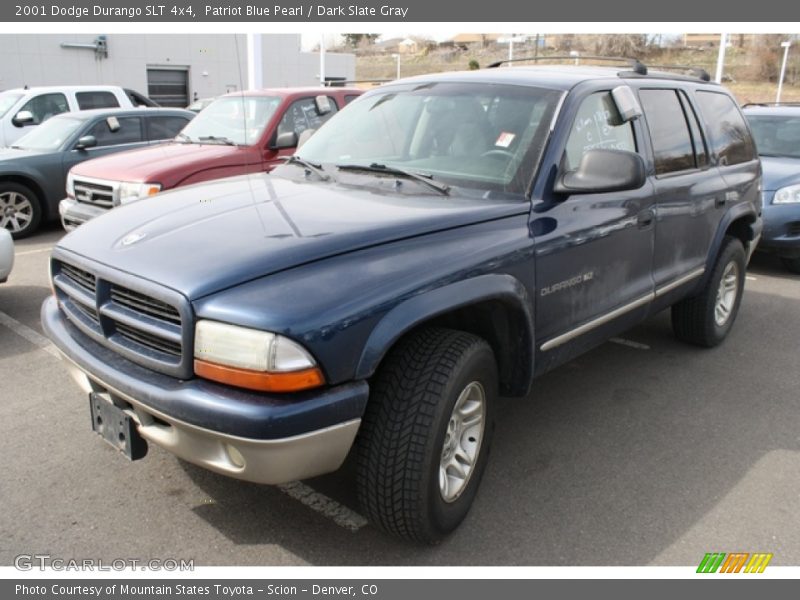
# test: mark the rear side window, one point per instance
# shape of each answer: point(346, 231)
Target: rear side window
point(90, 100)
point(129, 132)
point(44, 106)
point(669, 132)
point(598, 125)
point(164, 128)
point(302, 115)
point(730, 138)
point(700, 150)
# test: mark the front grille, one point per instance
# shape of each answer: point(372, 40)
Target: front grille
point(84, 279)
point(145, 304)
point(153, 342)
point(97, 194)
point(149, 325)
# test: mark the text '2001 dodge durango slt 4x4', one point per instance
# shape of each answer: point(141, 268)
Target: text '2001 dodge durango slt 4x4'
point(441, 242)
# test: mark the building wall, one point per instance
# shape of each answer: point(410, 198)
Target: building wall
point(215, 66)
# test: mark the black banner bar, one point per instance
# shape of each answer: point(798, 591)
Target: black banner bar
point(361, 11)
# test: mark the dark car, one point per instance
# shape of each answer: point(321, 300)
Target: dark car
point(441, 242)
point(776, 130)
point(33, 172)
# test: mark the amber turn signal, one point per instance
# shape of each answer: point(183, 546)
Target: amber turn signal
point(289, 381)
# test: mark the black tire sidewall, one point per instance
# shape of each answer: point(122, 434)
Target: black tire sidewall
point(733, 251)
point(35, 204)
point(476, 365)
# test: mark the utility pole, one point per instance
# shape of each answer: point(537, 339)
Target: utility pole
point(723, 42)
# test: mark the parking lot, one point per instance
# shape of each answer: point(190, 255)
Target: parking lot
point(643, 452)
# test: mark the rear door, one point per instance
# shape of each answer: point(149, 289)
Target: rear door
point(594, 251)
point(689, 191)
point(160, 128)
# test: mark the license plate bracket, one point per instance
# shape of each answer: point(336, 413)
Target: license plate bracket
point(116, 427)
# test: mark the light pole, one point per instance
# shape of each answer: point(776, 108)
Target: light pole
point(723, 44)
point(397, 56)
point(785, 46)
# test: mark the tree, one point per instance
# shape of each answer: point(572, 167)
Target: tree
point(355, 40)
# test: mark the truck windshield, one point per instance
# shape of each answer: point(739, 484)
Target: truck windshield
point(776, 136)
point(486, 136)
point(237, 119)
point(50, 135)
point(8, 100)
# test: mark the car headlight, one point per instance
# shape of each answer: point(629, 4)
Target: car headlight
point(787, 195)
point(70, 186)
point(134, 190)
point(249, 358)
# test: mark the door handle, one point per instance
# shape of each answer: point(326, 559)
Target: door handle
point(645, 218)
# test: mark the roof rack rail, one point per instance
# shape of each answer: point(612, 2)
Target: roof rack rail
point(770, 104)
point(698, 72)
point(346, 82)
point(638, 67)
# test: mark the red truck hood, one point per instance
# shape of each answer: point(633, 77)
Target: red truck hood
point(167, 164)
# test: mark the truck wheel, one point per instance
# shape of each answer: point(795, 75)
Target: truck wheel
point(707, 318)
point(20, 211)
point(793, 264)
point(424, 440)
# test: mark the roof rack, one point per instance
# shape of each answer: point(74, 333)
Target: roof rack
point(765, 104)
point(638, 67)
point(698, 72)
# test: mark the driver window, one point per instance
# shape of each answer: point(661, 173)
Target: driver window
point(597, 125)
point(302, 115)
point(44, 106)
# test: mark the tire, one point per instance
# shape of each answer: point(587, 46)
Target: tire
point(20, 209)
point(406, 435)
point(706, 319)
point(792, 264)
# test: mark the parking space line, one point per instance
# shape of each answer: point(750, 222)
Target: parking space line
point(340, 514)
point(630, 343)
point(33, 336)
point(750, 278)
point(37, 251)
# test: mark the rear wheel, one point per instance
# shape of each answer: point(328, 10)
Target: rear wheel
point(793, 264)
point(706, 319)
point(424, 441)
point(20, 211)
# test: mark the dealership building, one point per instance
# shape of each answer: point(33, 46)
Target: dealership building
point(172, 69)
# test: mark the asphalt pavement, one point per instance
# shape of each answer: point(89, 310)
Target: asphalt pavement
point(643, 452)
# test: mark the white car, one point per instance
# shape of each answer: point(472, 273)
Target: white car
point(6, 254)
point(22, 109)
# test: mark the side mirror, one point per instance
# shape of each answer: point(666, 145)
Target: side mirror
point(23, 118)
point(87, 141)
point(287, 139)
point(323, 105)
point(603, 171)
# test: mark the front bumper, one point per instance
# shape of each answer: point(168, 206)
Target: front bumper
point(74, 213)
point(247, 435)
point(6, 255)
point(781, 228)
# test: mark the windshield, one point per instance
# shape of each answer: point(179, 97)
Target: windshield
point(776, 136)
point(472, 135)
point(51, 134)
point(7, 101)
point(237, 119)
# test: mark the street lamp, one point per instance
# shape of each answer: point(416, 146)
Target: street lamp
point(397, 56)
point(785, 46)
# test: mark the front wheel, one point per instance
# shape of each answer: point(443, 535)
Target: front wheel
point(424, 440)
point(20, 211)
point(706, 319)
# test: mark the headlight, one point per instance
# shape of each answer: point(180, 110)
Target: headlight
point(70, 186)
point(787, 195)
point(133, 190)
point(253, 359)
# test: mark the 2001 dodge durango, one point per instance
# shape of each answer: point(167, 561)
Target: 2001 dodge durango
point(442, 241)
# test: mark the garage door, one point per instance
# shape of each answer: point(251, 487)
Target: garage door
point(168, 87)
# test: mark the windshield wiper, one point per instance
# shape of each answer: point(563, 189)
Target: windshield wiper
point(185, 138)
point(214, 138)
point(308, 166)
point(423, 178)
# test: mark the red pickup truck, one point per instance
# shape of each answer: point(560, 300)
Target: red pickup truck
point(242, 132)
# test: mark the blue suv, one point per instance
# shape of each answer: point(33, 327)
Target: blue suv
point(776, 130)
point(441, 241)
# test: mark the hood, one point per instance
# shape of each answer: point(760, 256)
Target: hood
point(779, 172)
point(204, 238)
point(165, 163)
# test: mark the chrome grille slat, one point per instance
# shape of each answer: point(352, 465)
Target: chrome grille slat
point(141, 303)
point(94, 193)
point(79, 276)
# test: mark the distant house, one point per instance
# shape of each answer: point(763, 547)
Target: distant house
point(408, 46)
point(476, 38)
